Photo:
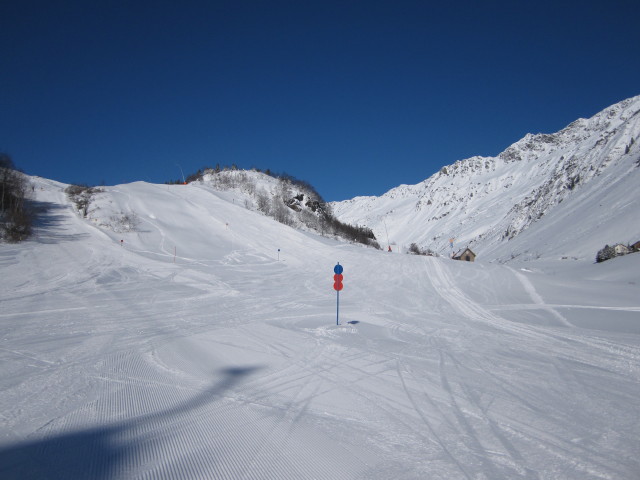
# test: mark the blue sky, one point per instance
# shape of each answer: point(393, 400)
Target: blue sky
point(356, 97)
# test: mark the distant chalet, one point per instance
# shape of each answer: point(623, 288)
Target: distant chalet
point(621, 249)
point(466, 255)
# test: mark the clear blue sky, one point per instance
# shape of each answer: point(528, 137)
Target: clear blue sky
point(356, 97)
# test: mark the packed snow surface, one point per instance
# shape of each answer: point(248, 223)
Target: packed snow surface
point(204, 344)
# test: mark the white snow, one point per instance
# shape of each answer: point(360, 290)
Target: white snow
point(190, 351)
point(566, 194)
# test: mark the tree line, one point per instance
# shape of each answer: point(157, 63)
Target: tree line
point(193, 177)
point(16, 213)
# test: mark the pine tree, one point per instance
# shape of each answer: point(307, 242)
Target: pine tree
point(605, 254)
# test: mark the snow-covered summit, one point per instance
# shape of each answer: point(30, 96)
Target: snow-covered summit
point(589, 170)
point(289, 201)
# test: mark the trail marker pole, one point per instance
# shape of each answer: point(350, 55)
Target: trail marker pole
point(337, 286)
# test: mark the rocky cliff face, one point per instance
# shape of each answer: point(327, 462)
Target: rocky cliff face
point(486, 202)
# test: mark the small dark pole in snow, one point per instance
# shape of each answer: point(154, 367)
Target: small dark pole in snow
point(278, 254)
point(337, 286)
point(121, 243)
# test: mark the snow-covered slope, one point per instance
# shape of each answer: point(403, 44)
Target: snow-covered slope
point(549, 195)
point(289, 201)
point(200, 341)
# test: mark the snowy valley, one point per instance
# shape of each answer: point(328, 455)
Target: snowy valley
point(178, 332)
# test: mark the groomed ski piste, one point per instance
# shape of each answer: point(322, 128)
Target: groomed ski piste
point(193, 348)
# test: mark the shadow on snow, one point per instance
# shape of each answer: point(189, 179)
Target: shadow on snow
point(49, 223)
point(103, 452)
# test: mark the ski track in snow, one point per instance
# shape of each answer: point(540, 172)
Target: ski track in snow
point(537, 299)
point(564, 449)
point(228, 364)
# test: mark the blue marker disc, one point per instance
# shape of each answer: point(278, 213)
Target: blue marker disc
point(338, 269)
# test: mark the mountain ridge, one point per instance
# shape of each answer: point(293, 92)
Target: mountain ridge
point(486, 202)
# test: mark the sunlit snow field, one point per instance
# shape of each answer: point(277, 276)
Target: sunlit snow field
point(195, 349)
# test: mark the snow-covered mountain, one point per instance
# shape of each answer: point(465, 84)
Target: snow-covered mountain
point(548, 195)
point(179, 331)
point(173, 331)
point(289, 201)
